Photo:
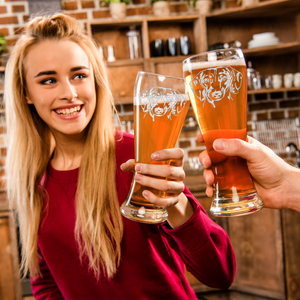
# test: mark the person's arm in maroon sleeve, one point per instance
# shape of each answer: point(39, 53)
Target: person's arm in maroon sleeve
point(205, 248)
point(44, 287)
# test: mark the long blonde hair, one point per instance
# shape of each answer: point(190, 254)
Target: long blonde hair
point(99, 227)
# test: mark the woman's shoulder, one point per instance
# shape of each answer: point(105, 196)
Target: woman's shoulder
point(124, 138)
point(124, 145)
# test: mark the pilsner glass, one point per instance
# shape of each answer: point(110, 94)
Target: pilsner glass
point(160, 108)
point(217, 87)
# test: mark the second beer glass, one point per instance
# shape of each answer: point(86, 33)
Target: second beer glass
point(217, 87)
point(160, 108)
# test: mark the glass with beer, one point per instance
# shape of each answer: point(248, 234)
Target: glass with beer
point(217, 87)
point(160, 108)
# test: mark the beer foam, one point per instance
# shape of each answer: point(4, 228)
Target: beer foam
point(189, 66)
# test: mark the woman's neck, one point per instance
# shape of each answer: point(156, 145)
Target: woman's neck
point(68, 152)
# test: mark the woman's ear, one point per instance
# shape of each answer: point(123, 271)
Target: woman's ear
point(28, 100)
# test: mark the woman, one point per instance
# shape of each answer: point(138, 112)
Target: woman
point(65, 180)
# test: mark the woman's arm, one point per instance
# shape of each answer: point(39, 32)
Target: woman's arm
point(44, 286)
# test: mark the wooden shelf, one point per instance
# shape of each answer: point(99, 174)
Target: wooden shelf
point(261, 10)
point(263, 91)
point(279, 49)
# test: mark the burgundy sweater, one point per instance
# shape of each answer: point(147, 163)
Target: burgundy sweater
point(153, 256)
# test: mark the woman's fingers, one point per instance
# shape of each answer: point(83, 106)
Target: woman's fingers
point(160, 184)
point(167, 201)
point(163, 171)
point(128, 166)
point(175, 155)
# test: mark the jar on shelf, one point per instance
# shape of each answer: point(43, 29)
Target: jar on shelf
point(134, 43)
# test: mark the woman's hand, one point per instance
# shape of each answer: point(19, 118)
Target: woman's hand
point(276, 182)
point(178, 206)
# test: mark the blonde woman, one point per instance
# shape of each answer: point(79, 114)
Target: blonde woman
point(68, 172)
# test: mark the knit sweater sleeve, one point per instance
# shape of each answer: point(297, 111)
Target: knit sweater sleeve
point(205, 248)
point(44, 287)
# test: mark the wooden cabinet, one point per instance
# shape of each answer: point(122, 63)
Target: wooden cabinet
point(10, 285)
point(238, 23)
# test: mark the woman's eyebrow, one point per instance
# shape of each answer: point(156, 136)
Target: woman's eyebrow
point(79, 68)
point(45, 73)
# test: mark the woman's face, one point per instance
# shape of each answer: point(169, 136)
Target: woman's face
point(60, 84)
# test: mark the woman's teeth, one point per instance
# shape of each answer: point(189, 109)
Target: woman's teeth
point(68, 111)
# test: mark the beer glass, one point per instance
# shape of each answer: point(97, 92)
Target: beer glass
point(217, 87)
point(160, 108)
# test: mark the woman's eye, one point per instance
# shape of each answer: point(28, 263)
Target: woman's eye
point(80, 76)
point(48, 81)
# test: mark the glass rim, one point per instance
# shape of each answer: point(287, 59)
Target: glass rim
point(238, 50)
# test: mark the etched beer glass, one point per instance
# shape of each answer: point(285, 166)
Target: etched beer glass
point(217, 87)
point(160, 108)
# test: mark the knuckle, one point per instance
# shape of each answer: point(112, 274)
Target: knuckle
point(167, 186)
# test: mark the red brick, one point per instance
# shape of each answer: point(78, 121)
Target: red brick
point(184, 144)
point(18, 8)
point(2, 129)
point(25, 18)
point(194, 153)
point(3, 184)
point(87, 4)
point(293, 113)
point(3, 10)
point(4, 31)
point(138, 2)
point(128, 107)
point(289, 103)
point(71, 5)
point(18, 30)
point(9, 20)
point(11, 42)
point(103, 4)
point(2, 162)
point(178, 8)
point(139, 11)
point(79, 16)
point(277, 115)
point(101, 14)
point(2, 172)
point(263, 116)
point(3, 151)
point(262, 106)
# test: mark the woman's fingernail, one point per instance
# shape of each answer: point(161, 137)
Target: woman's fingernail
point(137, 177)
point(219, 144)
point(145, 194)
point(121, 167)
point(154, 156)
point(138, 168)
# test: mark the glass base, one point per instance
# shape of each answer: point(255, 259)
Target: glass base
point(229, 207)
point(143, 214)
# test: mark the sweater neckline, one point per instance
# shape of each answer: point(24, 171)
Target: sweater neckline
point(63, 175)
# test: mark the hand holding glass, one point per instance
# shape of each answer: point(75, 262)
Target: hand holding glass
point(217, 87)
point(160, 108)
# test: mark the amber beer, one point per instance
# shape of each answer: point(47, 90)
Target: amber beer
point(218, 94)
point(156, 130)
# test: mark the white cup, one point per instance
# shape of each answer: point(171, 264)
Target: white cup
point(297, 80)
point(277, 81)
point(288, 80)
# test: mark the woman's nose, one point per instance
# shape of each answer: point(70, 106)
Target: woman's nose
point(67, 92)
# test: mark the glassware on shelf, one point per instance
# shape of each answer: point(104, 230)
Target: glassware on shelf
point(134, 43)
